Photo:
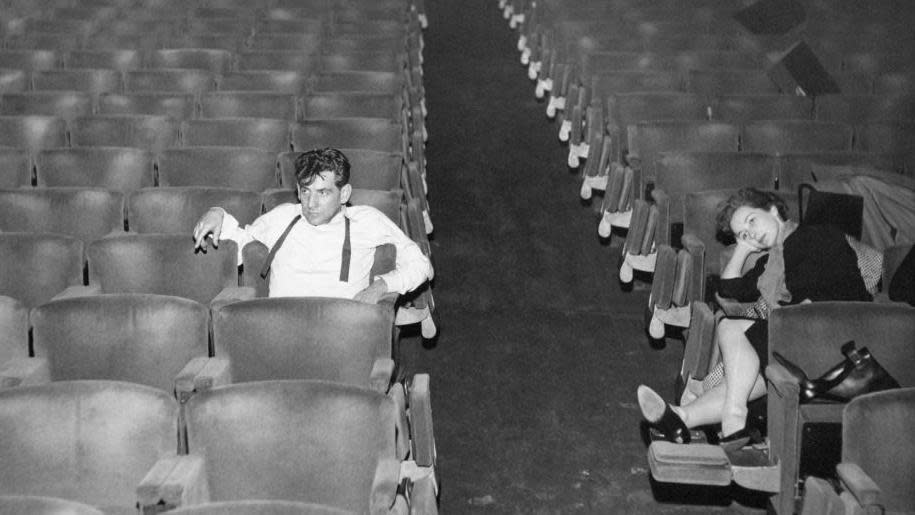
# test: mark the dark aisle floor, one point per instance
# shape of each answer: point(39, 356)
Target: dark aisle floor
point(540, 353)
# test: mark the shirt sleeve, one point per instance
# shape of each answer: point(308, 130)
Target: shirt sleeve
point(263, 229)
point(412, 268)
point(743, 288)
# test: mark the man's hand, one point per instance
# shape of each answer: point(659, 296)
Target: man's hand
point(209, 224)
point(373, 292)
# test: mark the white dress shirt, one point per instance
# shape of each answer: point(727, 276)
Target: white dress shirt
point(308, 262)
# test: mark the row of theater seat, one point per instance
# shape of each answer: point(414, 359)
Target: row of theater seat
point(615, 73)
point(318, 417)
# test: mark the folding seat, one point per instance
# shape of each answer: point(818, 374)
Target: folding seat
point(716, 59)
point(352, 105)
point(16, 168)
point(291, 82)
point(29, 59)
point(249, 104)
point(87, 214)
point(786, 136)
point(114, 168)
point(365, 133)
point(63, 104)
point(228, 41)
point(163, 264)
point(213, 60)
point(175, 210)
point(179, 106)
point(90, 80)
point(38, 266)
point(625, 81)
point(86, 441)
point(136, 38)
point(309, 43)
point(240, 26)
point(365, 43)
point(33, 132)
point(59, 25)
point(354, 464)
point(122, 59)
point(292, 60)
point(147, 132)
point(249, 169)
point(176, 80)
point(44, 505)
point(357, 81)
point(267, 134)
point(886, 138)
point(730, 82)
point(863, 108)
point(369, 169)
point(646, 139)
point(855, 83)
point(339, 340)
point(13, 81)
point(625, 109)
point(809, 336)
point(895, 84)
point(875, 459)
point(377, 61)
point(749, 108)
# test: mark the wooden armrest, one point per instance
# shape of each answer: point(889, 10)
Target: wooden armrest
point(24, 372)
point(423, 437)
point(233, 294)
point(172, 482)
point(78, 291)
point(858, 483)
point(200, 374)
point(382, 372)
point(384, 486)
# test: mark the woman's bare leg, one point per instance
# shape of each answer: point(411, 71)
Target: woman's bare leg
point(709, 407)
point(741, 372)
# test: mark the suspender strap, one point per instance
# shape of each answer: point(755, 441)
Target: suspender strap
point(347, 253)
point(276, 246)
point(344, 259)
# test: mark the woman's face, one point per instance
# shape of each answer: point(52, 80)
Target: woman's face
point(756, 227)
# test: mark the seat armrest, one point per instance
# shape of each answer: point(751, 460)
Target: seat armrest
point(233, 294)
point(424, 496)
point(200, 374)
point(78, 291)
point(174, 481)
point(858, 483)
point(382, 372)
point(384, 486)
point(422, 434)
point(24, 372)
point(783, 382)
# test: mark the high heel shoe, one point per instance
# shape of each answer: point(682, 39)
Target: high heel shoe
point(740, 439)
point(812, 388)
point(659, 414)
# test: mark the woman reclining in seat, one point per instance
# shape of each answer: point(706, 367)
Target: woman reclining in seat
point(807, 263)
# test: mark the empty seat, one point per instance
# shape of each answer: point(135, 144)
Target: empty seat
point(786, 136)
point(227, 41)
point(85, 441)
point(87, 214)
point(894, 84)
point(90, 80)
point(864, 108)
point(360, 81)
point(114, 168)
point(164, 264)
point(876, 63)
point(173, 80)
point(267, 134)
point(367, 133)
point(231, 167)
point(36, 267)
point(13, 80)
point(747, 108)
point(175, 210)
point(628, 81)
point(292, 60)
point(33, 132)
point(308, 43)
point(15, 168)
point(209, 59)
point(146, 132)
point(63, 104)
point(120, 59)
point(730, 82)
point(29, 59)
point(251, 104)
point(172, 104)
point(646, 139)
point(376, 61)
point(52, 41)
point(352, 105)
point(280, 81)
point(369, 169)
point(886, 138)
point(797, 168)
point(138, 338)
point(338, 340)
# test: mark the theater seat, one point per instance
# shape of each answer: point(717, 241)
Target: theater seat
point(252, 104)
point(64, 104)
point(271, 135)
point(16, 168)
point(352, 105)
point(38, 266)
point(280, 81)
point(114, 168)
point(175, 210)
point(242, 168)
point(86, 214)
point(179, 106)
point(145, 132)
point(365, 133)
point(33, 132)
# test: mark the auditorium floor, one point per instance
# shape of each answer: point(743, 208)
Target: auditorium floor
point(540, 351)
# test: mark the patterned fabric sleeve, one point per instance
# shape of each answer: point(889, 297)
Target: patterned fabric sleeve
point(870, 263)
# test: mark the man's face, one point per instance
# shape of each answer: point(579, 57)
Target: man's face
point(322, 199)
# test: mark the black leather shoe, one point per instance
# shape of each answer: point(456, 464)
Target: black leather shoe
point(813, 388)
point(658, 413)
point(740, 439)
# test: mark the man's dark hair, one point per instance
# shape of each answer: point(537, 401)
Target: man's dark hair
point(309, 165)
point(750, 197)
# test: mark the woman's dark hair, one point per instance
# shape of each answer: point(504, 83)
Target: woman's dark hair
point(751, 197)
point(308, 165)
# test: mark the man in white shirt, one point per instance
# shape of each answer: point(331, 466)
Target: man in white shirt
point(321, 246)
